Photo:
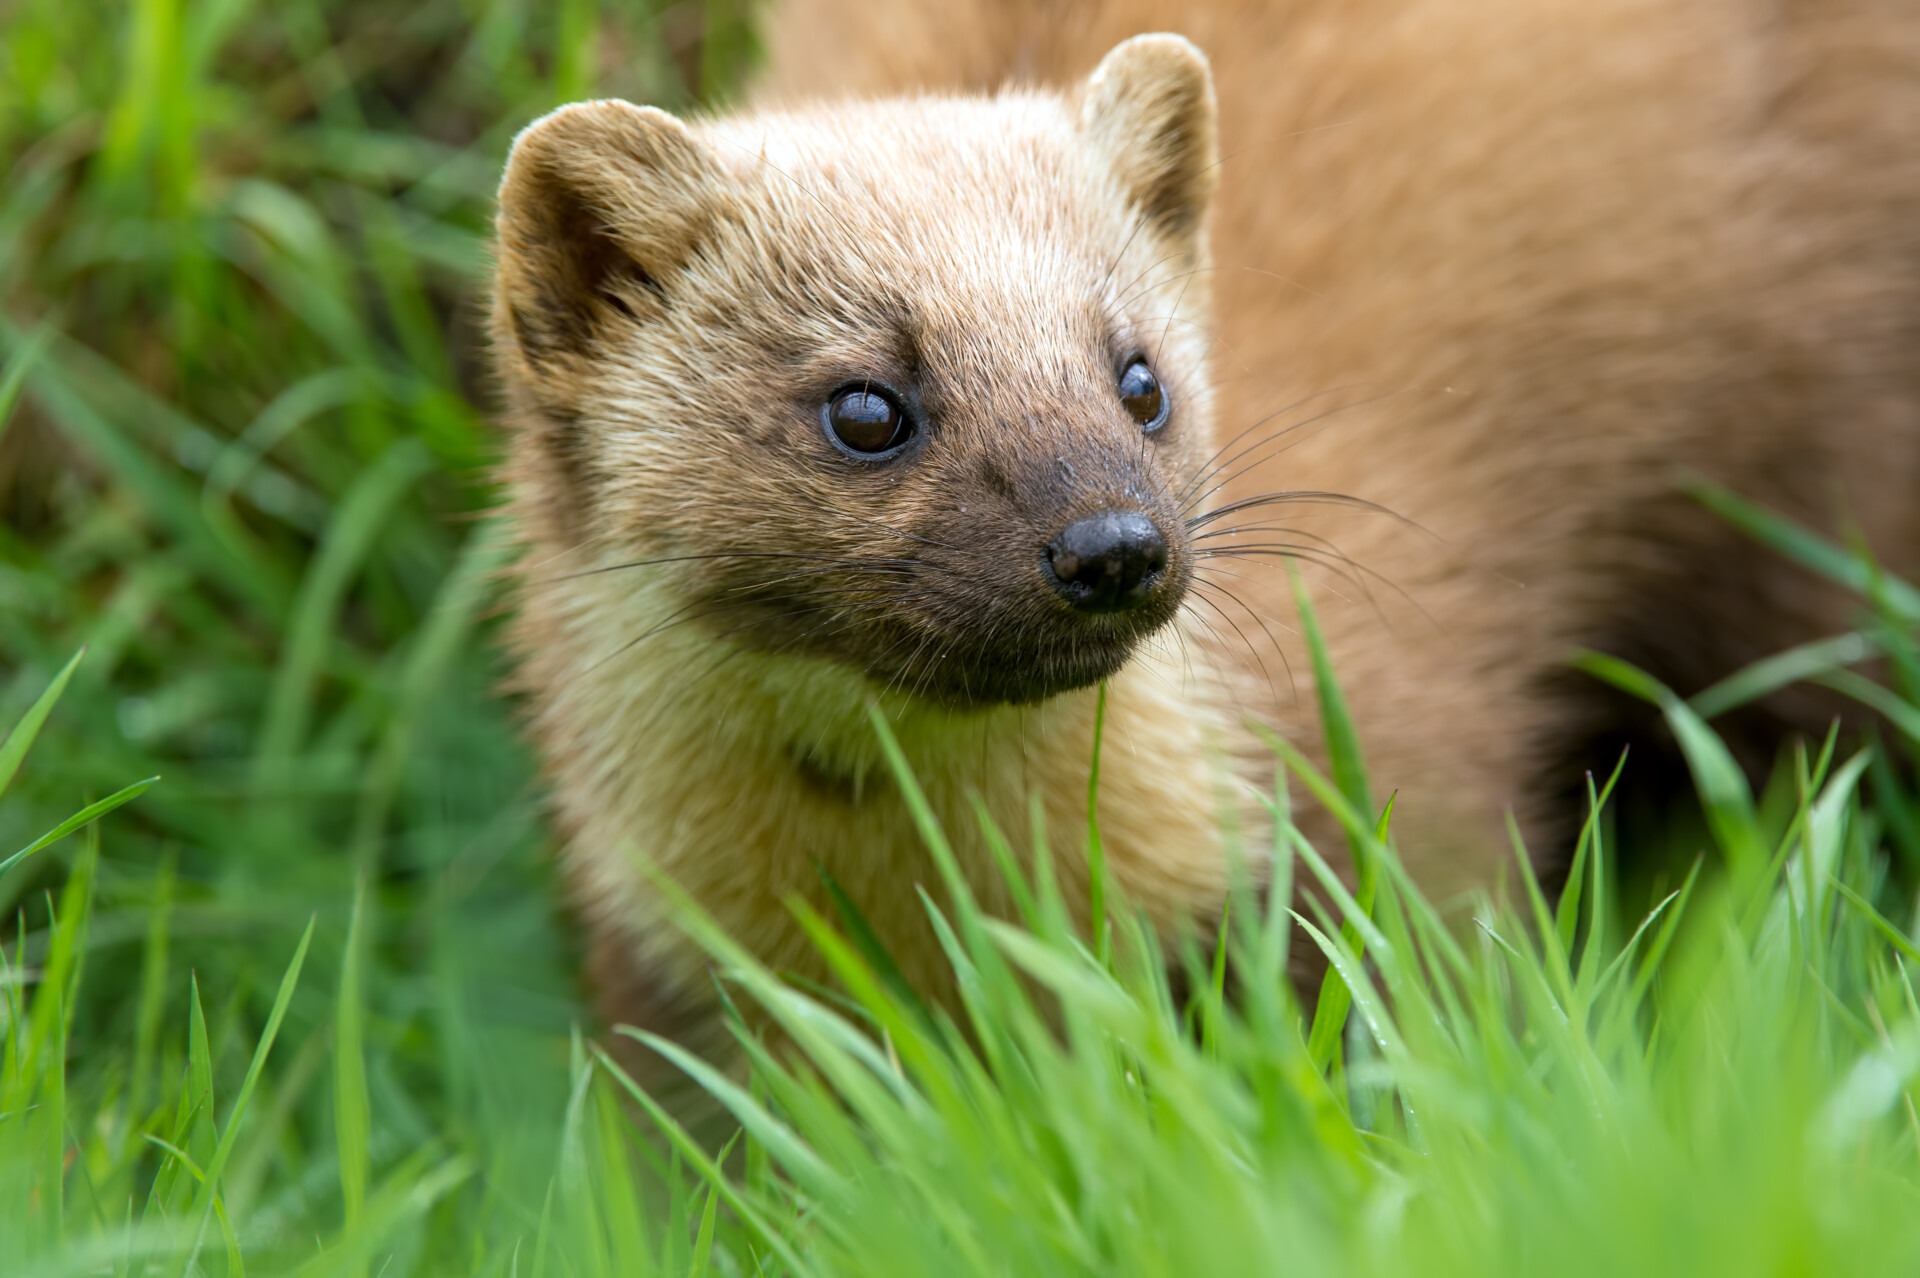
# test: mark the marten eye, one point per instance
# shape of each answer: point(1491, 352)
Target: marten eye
point(867, 422)
point(1143, 397)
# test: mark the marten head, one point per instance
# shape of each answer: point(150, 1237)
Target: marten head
point(916, 387)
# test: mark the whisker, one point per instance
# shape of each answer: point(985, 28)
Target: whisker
point(1215, 569)
point(1134, 286)
point(896, 532)
point(1140, 220)
point(842, 560)
point(1347, 569)
point(1147, 286)
point(1327, 544)
point(1302, 497)
point(1339, 565)
point(1258, 660)
point(913, 664)
point(1177, 635)
point(1326, 555)
point(733, 651)
point(1160, 346)
point(576, 548)
point(1208, 468)
point(1239, 529)
point(700, 609)
point(1221, 476)
point(825, 570)
point(1284, 279)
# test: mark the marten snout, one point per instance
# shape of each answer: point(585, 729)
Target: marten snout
point(1111, 562)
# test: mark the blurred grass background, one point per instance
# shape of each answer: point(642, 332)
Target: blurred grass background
point(244, 452)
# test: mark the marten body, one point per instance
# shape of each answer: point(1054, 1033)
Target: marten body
point(1507, 270)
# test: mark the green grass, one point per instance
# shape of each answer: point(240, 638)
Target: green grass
point(305, 1003)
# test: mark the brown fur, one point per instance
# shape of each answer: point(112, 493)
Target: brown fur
point(1505, 268)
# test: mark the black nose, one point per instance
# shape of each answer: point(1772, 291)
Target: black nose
point(1108, 562)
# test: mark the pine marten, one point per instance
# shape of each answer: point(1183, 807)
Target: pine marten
point(943, 379)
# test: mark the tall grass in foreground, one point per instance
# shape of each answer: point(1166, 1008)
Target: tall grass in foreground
point(1725, 1085)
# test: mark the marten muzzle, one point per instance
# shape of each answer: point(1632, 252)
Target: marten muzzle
point(1002, 624)
point(1111, 562)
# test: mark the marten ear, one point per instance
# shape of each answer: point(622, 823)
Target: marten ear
point(1149, 110)
point(601, 202)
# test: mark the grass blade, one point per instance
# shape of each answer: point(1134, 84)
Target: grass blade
point(1806, 548)
point(210, 1192)
point(85, 816)
point(14, 749)
point(352, 1119)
